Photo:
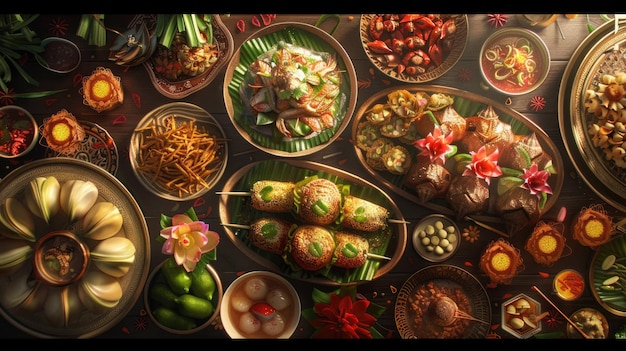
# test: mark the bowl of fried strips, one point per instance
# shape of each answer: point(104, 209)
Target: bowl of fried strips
point(178, 151)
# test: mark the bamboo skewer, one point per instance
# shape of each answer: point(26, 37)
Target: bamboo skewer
point(580, 331)
point(243, 226)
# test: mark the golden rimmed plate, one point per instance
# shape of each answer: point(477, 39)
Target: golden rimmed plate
point(600, 52)
point(466, 104)
point(184, 113)
point(452, 50)
point(612, 301)
point(98, 147)
point(235, 209)
point(457, 283)
point(134, 227)
point(236, 81)
point(188, 85)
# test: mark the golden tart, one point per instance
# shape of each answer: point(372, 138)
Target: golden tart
point(546, 243)
point(102, 90)
point(501, 261)
point(62, 132)
point(593, 227)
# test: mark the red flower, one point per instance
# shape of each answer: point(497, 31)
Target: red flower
point(484, 166)
point(343, 319)
point(435, 145)
point(536, 181)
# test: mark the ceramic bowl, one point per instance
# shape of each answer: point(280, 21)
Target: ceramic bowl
point(20, 131)
point(157, 277)
point(260, 304)
point(60, 55)
point(514, 61)
point(436, 238)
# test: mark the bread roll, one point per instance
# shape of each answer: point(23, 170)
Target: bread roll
point(312, 247)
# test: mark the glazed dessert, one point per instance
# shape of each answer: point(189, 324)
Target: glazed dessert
point(546, 243)
point(501, 261)
point(62, 132)
point(102, 90)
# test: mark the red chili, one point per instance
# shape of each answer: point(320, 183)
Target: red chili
point(241, 25)
point(544, 274)
point(267, 18)
point(468, 264)
point(51, 101)
point(255, 21)
point(78, 78)
point(198, 202)
point(121, 119)
point(136, 99)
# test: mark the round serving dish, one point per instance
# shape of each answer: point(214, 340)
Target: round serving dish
point(436, 238)
point(156, 280)
point(185, 115)
point(60, 55)
point(262, 133)
point(186, 85)
point(441, 279)
point(514, 61)
point(260, 305)
point(450, 46)
point(613, 301)
point(594, 57)
point(591, 321)
point(113, 287)
point(20, 131)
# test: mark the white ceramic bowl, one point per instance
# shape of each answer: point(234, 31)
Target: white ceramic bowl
point(254, 288)
point(498, 57)
point(15, 117)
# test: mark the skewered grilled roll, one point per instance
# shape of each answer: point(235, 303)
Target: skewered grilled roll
point(350, 249)
point(360, 214)
point(272, 196)
point(317, 201)
point(312, 247)
point(270, 234)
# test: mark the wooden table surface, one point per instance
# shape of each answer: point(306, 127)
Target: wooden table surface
point(562, 39)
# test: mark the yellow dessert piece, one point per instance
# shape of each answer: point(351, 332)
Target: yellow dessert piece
point(547, 244)
point(100, 90)
point(501, 262)
point(61, 132)
point(594, 228)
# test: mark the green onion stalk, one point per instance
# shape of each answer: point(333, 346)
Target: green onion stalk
point(197, 28)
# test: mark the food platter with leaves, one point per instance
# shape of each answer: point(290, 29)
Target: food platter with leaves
point(400, 133)
point(237, 210)
point(295, 131)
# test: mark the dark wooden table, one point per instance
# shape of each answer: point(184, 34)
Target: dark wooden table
point(562, 39)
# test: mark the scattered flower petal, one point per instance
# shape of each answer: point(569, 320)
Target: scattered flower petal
point(497, 20)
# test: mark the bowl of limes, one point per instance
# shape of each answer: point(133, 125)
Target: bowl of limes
point(182, 302)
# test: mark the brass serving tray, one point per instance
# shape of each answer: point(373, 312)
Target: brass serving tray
point(237, 210)
point(466, 104)
point(600, 52)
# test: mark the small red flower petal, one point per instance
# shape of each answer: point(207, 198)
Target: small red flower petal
point(121, 119)
point(544, 274)
point(198, 202)
point(136, 99)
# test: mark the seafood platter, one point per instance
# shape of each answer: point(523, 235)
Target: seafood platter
point(426, 142)
point(312, 222)
point(591, 110)
point(279, 108)
point(414, 48)
point(75, 249)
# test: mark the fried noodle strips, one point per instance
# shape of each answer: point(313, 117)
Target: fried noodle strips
point(178, 157)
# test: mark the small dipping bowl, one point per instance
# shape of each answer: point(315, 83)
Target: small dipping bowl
point(568, 284)
point(514, 61)
point(436, 238)
point(60, 55)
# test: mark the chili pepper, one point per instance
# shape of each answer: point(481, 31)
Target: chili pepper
point(121, 119)
point(424, 23)
point(136, 100)
point(379, 47)
point(241, 25)
point(267, 19)
point(435, 54)
point(544, 274)
point(78, 78)
point(255, 21)
point(411, 18)
point(448, 27)
point(198, 202)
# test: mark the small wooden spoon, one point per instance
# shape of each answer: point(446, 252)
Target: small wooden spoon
point(444, 311)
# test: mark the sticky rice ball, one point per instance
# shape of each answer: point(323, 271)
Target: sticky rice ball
point(240, 303)
point(278, 299)
point(256, 288)
point(274, 326)
point(249, 324)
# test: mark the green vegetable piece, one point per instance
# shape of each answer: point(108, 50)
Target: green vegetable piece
point(608, 262)
point(610, 281)
point(202, 283)
point(172, 319)
point(320, 208)
point(194, 307)
point(269, 230)
point(350, 251)
point(176, 277)
point(161, 293)
point(316, 249)
point(266, 193)
point(360, 216)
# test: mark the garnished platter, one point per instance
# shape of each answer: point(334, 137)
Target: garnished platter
point(590, 124)
point(454, 282)
point(374, 138)
point(187, 85)
point(98, 147)
point(606, 263)
point(262, 129)
point(236, 210)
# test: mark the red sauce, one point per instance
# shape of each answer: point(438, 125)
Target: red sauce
point(512, 64)
point(61, 56)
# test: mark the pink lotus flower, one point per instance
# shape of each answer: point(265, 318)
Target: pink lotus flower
point(435, 145)
point(343, 318)
point(536, 181)
point(187, 240)
point(484, 166)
